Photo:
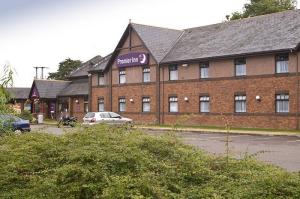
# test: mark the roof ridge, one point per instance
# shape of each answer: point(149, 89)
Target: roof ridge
point(243, 19)
point(156, 26)
point(53, 80)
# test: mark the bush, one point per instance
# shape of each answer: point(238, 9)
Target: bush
point(26, 115)
point(102, 162)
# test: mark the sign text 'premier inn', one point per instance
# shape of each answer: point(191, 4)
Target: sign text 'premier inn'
point(133, 59)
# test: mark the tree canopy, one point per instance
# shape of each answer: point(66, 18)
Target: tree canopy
point(262, 7)
point(64, 69)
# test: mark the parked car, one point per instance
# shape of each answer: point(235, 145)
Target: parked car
point(14, 123)
point(105, 117)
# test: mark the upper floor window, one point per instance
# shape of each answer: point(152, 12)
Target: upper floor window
point(146, 74)
point(204, 70)
point(282, 103)
point(173, 72)
point(101, 104)
point(240, 67)
point(101, 80)
point(173, 104)
point(240, 103)
point(282, 63)
point(204, 104)
point(146, 104)
point(122, 105)
point(122, 76)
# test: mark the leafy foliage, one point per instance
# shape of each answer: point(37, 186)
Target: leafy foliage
point(107, 162)
point(262, 7)
point(26, 115)
point(64, 69)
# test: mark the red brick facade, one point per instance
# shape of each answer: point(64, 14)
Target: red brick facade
point(221, 86)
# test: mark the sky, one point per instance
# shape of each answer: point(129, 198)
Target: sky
point(45, 32)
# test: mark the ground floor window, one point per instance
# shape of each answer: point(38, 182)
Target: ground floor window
point(146, 104)
point(204, 104)
point(173, 104)
point(282, 103)
point(86, 104)
point(122, 104)
point(240, 103)
point(100, 104)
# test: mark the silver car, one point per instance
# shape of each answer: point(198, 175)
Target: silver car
point(105, 117)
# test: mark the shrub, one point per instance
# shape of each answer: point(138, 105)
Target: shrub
point(26, 115)
point(107, 162)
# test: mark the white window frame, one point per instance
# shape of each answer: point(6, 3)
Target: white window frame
point(101, 79)
point(146, 106)
point(122, 76)
point(282, 63)
point(282, 103)
point(173, 104)
point(204, 70)
point(240, 67)
point(101, 104)
point(122, 104)
point(240, 104)
point(173, 72)
point(146, 74)
point(204, 104)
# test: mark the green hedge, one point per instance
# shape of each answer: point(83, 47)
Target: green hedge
point(102, 162)
point(26, 115)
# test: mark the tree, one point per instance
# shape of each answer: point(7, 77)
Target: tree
point(262, 7)
point(6, 80)
point(64, 69)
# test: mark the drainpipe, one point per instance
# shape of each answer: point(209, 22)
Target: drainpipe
point(90, 92)
point(158, 94)
point(298, 87)
point(163, 95)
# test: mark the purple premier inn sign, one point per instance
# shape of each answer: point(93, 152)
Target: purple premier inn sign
point(133, 59)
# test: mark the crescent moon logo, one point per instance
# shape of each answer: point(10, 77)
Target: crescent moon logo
point(143, 58)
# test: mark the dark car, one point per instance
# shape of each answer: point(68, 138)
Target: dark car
point(14, 123)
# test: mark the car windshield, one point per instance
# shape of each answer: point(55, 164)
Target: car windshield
point(90, 115)
point(114, 115)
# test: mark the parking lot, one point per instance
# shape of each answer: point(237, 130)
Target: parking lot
point(283, 151)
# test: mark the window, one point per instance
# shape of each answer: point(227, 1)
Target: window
point(204, 70)
point(282, 63)
point(100, 104)
point(146, 74)
point(122, 105)
point(146, 104)
point(173, 104)
point(122, 76)
point(173, 72)
point(240, 67)
point(204, 104)
point(282, 103)
point(101, 80)
point(86, 104)
point(240, 103)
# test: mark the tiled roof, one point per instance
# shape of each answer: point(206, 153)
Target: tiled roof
point(77, 87)
point(158, 40)
point(272, 32)
point(85, 67)
point(101, 64)
point(19, 93)
point(50, 88)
